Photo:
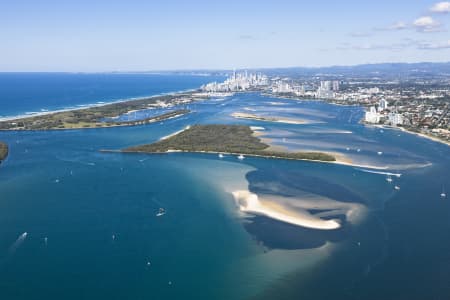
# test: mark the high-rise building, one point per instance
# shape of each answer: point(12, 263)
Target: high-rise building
point(336, 85)
point(383, 105)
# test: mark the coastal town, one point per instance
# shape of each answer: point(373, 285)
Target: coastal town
point(419, 105)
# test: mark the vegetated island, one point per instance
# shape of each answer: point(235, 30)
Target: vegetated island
point(230, 139)
point(3, 151)
point(104, 115)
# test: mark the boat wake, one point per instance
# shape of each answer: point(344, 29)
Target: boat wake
point(18, 242)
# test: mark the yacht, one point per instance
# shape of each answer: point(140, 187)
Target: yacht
point(389, 179)
point(241, 157)
point(443, 194)
point(220, 155)
point(379, 153)
point(161, 212)
point(396, 187)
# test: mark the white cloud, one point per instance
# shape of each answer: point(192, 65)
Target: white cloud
point(441, 7)
point(395, 26)
point(426, 24)
point(398, 26)
point(434, 46)
point(360, 34)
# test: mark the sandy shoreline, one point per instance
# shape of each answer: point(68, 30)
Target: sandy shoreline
point(274, 119)
point(88, 106)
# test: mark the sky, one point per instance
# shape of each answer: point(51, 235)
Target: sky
point(133, 35)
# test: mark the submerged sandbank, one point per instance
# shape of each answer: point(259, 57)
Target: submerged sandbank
point(296, 210)
point(241, 115)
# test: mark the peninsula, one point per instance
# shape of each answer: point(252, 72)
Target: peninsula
point(104, 115)
point(3, 151)
point(231, 139)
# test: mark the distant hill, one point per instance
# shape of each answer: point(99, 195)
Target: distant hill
point(384, 70)
point(368, 70)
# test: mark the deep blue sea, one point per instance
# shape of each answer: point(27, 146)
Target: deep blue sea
point(25, 93)
point(93, 230)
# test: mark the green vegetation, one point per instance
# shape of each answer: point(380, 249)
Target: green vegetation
point(73, 120)
point(94, 117)
point(3, 151)
point(236, 139)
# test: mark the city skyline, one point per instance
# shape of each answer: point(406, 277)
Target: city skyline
point(96, 36)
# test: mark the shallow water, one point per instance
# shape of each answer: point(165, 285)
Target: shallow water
point(98, 213)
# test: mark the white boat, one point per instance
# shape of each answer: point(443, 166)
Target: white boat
point(241, 157)
point(348, 149)
point(161, 212)
point(443, 194)
point(358, 150)
point(396, 187)
point(389, 179)
point(379, 153)
point(220, 155)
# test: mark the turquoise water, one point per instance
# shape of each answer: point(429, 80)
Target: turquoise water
point(98, 213)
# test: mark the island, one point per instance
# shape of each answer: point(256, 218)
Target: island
point(3, 151)
point(105, 115)
point(241, 115)
point(221, 139)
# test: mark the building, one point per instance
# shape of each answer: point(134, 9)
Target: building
point(237, 82)
point(383, 105)
point(395, 119)
point(372, 116)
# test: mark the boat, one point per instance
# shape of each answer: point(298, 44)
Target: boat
point(348, 149)
point(396, 187)
point(161, 212)
point(443, 194)
point(358, 150)
point(379, 153)
point(220, 155)
point(389, 179)
point(241, 157)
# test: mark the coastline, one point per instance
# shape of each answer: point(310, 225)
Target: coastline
point(100, 125)
point(336, 162)
point(93, 105)
point(402, 129)
point(4, 151)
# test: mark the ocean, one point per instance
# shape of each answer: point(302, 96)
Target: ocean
point(91, 224)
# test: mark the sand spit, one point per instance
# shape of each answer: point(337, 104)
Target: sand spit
point(241, 115)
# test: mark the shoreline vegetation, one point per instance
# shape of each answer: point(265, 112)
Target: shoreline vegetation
point(102, 116)
point(222, 139)
point(3, 151)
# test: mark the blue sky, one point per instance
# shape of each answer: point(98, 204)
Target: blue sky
point(173, 34)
